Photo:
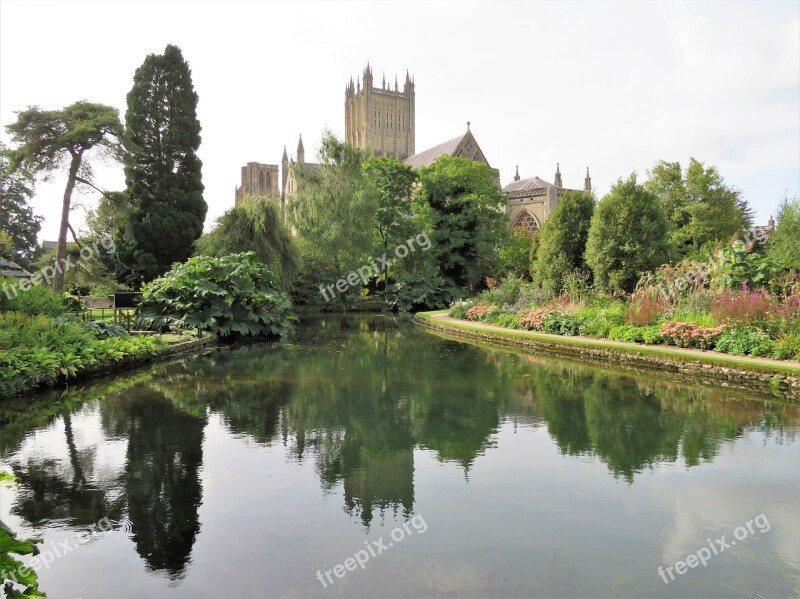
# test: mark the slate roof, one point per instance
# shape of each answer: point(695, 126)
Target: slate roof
point(12, 269)
point(50, 245)
point(527, 184)
point(427, 157)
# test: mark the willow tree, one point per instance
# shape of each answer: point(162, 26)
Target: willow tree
point(333, 212)
point(255, 225)
point(48, 140)
point(162, 170)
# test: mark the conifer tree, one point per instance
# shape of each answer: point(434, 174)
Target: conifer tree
point(162, 170)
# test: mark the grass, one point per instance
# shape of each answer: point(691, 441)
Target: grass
point(670, 353)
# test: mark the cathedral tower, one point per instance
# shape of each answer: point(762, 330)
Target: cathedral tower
point(380, 118)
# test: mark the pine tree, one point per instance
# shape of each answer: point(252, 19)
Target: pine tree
point(162, 171)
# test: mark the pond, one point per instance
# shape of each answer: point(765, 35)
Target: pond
point(370, 458)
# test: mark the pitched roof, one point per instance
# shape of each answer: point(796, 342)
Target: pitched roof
point(12, 269)
point(427, 157)
point(50, 245)
point(527, 184)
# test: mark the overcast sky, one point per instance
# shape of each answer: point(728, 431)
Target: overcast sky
point(615, 86)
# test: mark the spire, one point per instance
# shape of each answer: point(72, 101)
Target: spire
point(516, 176)
point(285, 158)
point(468, 124)
point(587, 183)
point(395, 83)
point(557, 182)
point(384, 80)
point(301, 152)
point(771, 224)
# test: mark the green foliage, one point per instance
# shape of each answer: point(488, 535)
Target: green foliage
point(39, 349)
point(232, 295)
point(783, 245)
point(747, 341)
point(633, 334)
point(598, 321)
point(393, 183)
point(256, 225)
point(18, 581)
point(736, 266)
point(690, 335)
point(701, 209)
point(411, 294)
point(626, 237)
point(20, 226)
point(104, 330)
point(562, 242)
point(36, 300)
point(162, 170)
point(50, 139)
point(461, 205)
point(334, 209)
point(562, 324)
point(502, 319)
point(515, 255)
point(787, 346)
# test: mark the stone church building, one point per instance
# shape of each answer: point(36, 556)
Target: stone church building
point(531, 200)
point(382, 119)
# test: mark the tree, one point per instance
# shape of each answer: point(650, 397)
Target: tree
point(255, 225)
point(20, 226)
point(162, 170)
point(394, 183)
point(700, 208)
point(515, 254)
point(49, 139)
point(562, 242)
point(463, 205)
point(784, 243)
point(334, 210)
point(627, 236)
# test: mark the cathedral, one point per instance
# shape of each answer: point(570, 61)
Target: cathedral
point(382, 119)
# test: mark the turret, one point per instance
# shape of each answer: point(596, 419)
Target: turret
point(587, 182)
point(301, 152)
point(557, 183)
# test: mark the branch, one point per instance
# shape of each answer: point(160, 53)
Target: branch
point(97, 189)
point(74, 237)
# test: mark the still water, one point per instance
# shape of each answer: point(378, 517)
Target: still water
point(373, 459)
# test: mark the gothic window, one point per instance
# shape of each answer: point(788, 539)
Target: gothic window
point(526, 222)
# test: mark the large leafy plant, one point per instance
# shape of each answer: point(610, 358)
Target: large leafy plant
point(18, 581)
point(231, 296)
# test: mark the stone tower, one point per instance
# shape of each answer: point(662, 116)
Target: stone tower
point(258, 180)
point(380, 118)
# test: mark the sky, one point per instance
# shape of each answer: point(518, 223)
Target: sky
point(615, 86)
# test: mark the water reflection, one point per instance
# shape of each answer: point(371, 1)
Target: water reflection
point(358, 398)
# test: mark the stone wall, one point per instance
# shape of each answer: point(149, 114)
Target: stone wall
point(777, 385)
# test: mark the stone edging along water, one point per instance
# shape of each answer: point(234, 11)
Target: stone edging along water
point(780, 379)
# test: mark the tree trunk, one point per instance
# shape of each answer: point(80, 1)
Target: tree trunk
point(61, 253)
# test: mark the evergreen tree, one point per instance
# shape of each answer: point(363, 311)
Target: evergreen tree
point(18, 225)
point(562, 241)
point(784, 244)
point(162, 170)
point(627, 236)
point(50, 139)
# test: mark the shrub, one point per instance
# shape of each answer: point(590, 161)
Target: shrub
point(231, 295)
point(502, 319)
point(412, 294)
point(576, 284)
point(626, 332)
point(744, 308)
point(748, 341)
point(645, 309)
point(652, 335)
point(36, 300)
point(479, 312)
point(105, 330)
point(787, 347)
point(598, 322)
point(459, 310)
point(561, 324)
point(533, 320)
point(690, 335)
